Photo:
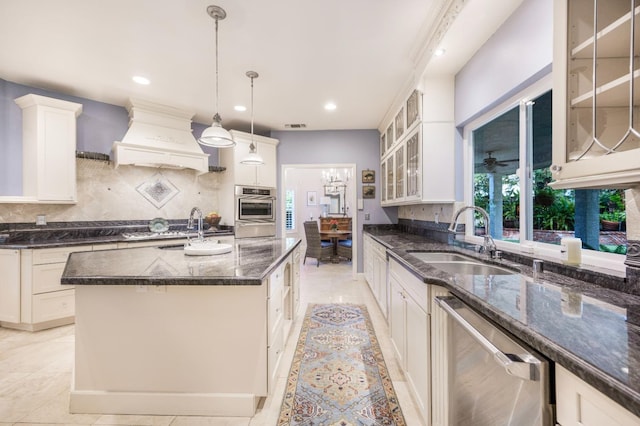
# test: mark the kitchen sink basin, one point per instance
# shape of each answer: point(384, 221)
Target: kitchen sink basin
point(454, 263)
point(205, 248)
point(432, 256)
point(470, 268)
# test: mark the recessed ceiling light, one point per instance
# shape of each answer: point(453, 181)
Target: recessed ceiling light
point(141, 80)
point(439, 52)
point(240, 108)
point(330, 106)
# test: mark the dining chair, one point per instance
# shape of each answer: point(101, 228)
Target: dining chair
point(315, 247)
point(344, 248)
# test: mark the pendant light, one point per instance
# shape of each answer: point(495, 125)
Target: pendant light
point(253, 158)
point(216, 135)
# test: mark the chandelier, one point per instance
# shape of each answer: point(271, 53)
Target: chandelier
point(335, 181)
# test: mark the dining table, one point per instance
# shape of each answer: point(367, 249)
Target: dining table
point(335, 235)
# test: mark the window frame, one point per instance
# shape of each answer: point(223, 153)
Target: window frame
point(291, 192)
point(521, 99)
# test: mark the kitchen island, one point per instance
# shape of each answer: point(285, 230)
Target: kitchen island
point(159, 332)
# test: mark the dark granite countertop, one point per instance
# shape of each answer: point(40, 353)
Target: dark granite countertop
point(69, 234)
point(250, 261)
point(589, 329)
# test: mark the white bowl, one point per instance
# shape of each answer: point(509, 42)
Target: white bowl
point(206, 248)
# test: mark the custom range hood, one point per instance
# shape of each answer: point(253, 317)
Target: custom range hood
point(159, 136)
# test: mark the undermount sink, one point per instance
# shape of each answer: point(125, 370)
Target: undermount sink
point(432, 256)
point(471, 268)
point(205, 248)
point(454, 263)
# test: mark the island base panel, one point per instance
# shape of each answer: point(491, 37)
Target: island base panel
point(170, 349)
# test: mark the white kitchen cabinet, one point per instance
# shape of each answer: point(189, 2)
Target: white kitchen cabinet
point(439, 360)
point(44, 302)
point(48, 149)
point(383, 182)
point(409, 316)
point(580, 404)
point(397, 322)
point(389, 183)
point(275, 321)
point(10, 286)
point(595, 124)
point(367, 260)
point(419, 167)
point(422, 167)
point(375, 270)
point(242, 174)
point(295, 283)
point(32, 297)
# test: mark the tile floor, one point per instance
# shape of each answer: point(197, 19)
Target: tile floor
point(35, 368)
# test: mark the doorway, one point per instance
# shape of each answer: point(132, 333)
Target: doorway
point(308, 191)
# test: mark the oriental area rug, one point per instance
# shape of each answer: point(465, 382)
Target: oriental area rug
point(338, 376)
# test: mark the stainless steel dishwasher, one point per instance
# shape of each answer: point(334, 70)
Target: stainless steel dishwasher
point(493, 380)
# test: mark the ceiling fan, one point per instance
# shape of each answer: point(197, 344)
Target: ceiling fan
point(491, 163)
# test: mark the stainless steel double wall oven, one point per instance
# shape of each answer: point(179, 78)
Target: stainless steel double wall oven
point(255, 211)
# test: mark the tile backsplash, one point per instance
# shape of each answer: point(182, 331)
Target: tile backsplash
point(107, 193)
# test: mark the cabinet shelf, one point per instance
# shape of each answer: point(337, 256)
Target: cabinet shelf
point(579, 99)
point(613, 40)
point(612, 94)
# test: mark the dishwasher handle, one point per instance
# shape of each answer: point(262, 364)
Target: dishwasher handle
point(524, 366)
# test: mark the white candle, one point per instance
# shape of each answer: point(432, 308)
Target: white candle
point(571, 250)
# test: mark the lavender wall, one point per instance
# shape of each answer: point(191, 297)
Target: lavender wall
point(339, 146)
point(520, 52)
point(98, 126)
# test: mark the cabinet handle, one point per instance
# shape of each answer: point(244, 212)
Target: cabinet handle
point(555, 168)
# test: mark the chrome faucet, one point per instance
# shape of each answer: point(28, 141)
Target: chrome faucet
point(190, 222)
point(488, 246)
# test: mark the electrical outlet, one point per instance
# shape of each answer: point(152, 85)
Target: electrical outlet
point(367, 216)
point(41, 219)
point(437, 217)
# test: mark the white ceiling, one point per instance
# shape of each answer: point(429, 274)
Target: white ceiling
point(363, 55)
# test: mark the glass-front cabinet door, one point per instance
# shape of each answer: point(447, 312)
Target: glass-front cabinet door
point(390, 178)
point(596, 126)
point(383, 182)
point(400, 172)
point(414, 165)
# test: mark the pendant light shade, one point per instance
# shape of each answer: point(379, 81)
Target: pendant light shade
point(253, 159)
point(216, 135)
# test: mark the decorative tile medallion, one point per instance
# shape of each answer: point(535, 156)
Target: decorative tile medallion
point(158, 190)
point(338, 376)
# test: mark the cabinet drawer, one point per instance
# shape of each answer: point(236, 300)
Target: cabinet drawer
point(57, 255)
point(417, 289)
point(54, 305)
point(274, 354)
point(276, 281)
point(379, 248)
point(275, 312)
point(46, 278)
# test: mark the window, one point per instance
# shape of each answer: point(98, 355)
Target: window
point(510, 151)
point(289, 210)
